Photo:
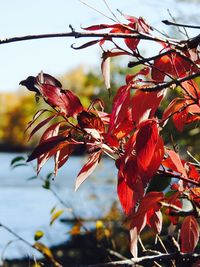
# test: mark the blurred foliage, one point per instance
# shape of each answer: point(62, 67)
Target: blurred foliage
point(18, 108)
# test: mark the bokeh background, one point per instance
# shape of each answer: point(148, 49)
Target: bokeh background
point(79, 71)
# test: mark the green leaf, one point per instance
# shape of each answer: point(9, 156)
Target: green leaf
point(32, 178)
point(17, 159)
point(19, 165)
point(53, 209)
point(49, 175)
point(55, 216)
point(38, 234)
point(46, 184)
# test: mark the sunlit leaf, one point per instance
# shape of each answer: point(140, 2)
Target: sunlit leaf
point(76, 229)
point(55, 216)
point(38, 235)
point(146, 142)
point(43, 249)
point(189, 234)
point(88, 168)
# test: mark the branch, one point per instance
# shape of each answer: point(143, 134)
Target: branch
point(150, 259)
point(145, 60)
point(75, 34)
point(179, 176)
point(46, 255)
point(176, 82)
point(167, 22)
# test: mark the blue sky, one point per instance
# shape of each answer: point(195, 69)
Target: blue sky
point(54, 56)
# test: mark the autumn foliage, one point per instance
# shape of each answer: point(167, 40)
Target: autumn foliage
point(132, 134)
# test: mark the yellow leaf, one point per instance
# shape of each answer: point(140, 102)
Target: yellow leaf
point(43, 249)
point(100, 230)
point(55, 216)
point(47, 253)
point(76, 229)
point(38, 234)
point(99, 224)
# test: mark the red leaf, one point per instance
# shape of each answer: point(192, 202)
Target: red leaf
point(139, 219)
point(175, 201)
point(146, 141)
point(45, 78)
point(172, 64)
point(180, 119)
point(62, 156)
point(155, 220)
point(125, 194)
point(124, 127)
point(41, 124)
point(154, 163)
point(49, 132)
point(131, 77)
point(191, 87)
point(192, 172)
point(195, 195)
point(131, 43)
point(193, 109)
point(46, 146)
point(120, 113)
point(88, 120)
point(174, 162)
point(73, 104)
point(149, 201)
point(189, 234)
point(144, 105)
point(111, 140)
point(65, 101)
point(36, 116)
point(174, 106)
point(88, 168)
point(88, 44)
point(136, 228)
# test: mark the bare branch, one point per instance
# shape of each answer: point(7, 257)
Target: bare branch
point(167, 22)
point(179, 176)
point(166, 85)
point(144, 60)
point(75, 34)
point(150, 259)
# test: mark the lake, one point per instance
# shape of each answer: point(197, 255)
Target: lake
point(25, 205)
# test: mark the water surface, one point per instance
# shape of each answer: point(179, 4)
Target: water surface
point(25, 205)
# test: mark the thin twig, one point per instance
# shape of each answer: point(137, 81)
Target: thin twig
point(110, 10)
point(167, 22)
point(50, 258)
point(179, 176)
point(96, 10)
point(150, 259)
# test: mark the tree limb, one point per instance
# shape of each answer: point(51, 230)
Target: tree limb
point(150, 259)
point(76, 34)
point(176, 82)
point(179, 176)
